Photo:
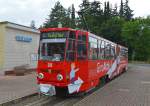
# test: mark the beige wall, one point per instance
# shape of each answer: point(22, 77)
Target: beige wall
point(19, 53)
point(2, 33)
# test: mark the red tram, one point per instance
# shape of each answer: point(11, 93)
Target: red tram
point(72, 61)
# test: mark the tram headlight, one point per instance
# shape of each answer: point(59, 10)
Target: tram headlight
point(59, 77)
point(40, 75)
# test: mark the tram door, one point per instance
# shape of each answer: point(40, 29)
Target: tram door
point(82, 59)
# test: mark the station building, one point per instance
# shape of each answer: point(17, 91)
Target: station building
point(18, 46)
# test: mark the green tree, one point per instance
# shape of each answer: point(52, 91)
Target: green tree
point(136, 35)
point(127, 11)
point(73, 12)
point(111, 30)
point(73, 17)
point(58, 14)
point(107, 11)
point(69, 21)
point(85, 4)
point(84, 14)
point(93, 15)
point(115, 11)
point(121, 11)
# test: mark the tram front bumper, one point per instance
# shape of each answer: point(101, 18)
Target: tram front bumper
point(47, 89)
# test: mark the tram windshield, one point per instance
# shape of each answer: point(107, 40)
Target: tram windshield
point(52, 51)
point(52, 46)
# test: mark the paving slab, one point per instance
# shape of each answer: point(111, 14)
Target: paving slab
point(132, 88)
point(15, 87)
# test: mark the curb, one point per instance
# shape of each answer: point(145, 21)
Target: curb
point(13, 102)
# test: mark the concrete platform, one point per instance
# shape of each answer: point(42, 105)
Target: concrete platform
point(130, 89)
point(16, 87)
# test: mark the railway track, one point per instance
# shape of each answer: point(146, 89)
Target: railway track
point(47, 101)
point(53, 100)
point(35, 100)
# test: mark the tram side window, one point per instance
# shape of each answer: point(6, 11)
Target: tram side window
point(112, 51)
point(93, 49)
point(99, 49)
point(72, 35)
point(81, 47)
point(71, 50)
point(107, 51)
point(123, 52)
point(82, 37)
point(102, 50)
point(126, 53)
point(71, 47)
point(44, 49)
point(81, 51)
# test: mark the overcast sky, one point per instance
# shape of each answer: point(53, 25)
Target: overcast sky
point(24, 11)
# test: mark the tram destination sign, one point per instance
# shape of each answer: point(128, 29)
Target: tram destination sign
point(53, 35)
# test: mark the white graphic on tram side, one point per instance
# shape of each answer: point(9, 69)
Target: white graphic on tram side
point(76, 86)
point(113, 67)
point(75, 82)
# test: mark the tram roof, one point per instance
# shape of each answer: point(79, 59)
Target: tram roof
point(60, 29)
point(56, 29)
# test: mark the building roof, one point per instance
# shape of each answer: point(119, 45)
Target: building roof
point(20, 27)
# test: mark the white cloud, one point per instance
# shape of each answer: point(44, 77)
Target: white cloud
point(23, 11)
